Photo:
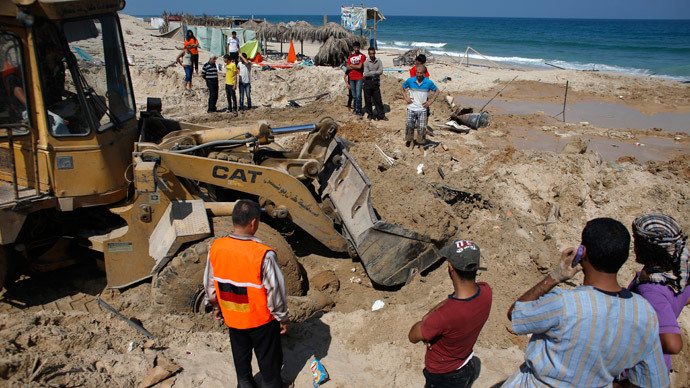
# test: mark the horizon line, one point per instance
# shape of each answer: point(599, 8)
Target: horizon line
point(434, 16)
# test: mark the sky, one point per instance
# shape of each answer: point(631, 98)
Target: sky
point(596, 9)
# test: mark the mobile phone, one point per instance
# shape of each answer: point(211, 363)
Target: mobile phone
point(578, 255)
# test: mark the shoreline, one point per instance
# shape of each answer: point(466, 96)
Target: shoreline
point(442, 40)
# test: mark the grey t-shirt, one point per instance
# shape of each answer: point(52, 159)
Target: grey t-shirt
point(374, 68)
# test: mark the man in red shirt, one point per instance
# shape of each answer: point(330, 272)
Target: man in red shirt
point(419, 60)
point(355, 63)
point(450, 329)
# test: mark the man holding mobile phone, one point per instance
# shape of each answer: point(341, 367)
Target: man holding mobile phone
point(589, 335)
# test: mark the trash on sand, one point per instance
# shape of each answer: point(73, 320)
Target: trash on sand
point(356, 280)
point(387, 158)
point(378, 305)
point(131, 347)
point(639, 144)
point(446, 79)
point(420, 168)
point(354, 269)
point(318, 372)
point(152, 83)
point(440, 172)
point(473, 120)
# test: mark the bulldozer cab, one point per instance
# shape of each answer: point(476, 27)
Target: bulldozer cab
point(67, 113)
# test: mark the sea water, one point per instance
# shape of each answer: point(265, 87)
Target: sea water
point(646, 47)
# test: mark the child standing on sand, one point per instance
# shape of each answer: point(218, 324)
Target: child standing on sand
point(185, 60)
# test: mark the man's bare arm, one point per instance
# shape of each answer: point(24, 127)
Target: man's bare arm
point(561, 273)
point(405, 96)
point(415, 334)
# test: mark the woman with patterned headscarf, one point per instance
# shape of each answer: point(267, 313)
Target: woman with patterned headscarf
point(662, 248)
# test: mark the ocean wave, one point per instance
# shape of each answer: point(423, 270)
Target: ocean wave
point(537, 62)
point(409, 45)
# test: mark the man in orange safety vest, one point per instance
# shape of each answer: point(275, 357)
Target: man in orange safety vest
point(246, 289)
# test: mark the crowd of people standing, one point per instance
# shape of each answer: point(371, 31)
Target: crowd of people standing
point(598, 334)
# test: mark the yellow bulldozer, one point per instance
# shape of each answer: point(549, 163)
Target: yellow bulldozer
point(80, 168)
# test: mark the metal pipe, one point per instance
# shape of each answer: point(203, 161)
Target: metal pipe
point(219, 209)
point(295, 128)
point(129, 321)
point(12, 163)
point(34, 151)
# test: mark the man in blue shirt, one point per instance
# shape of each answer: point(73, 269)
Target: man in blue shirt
point(588, 336)
point(418, 101)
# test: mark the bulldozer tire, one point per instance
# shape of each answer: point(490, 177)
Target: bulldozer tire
point(178, 288)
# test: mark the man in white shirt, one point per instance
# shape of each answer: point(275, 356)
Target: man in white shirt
point(245, 79)
point(233, 47)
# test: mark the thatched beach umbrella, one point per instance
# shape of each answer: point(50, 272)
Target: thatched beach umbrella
point(333, 52)
point(331, 29)
point(279, 32)
point(301, 30)
point(263, 30)
point(250, 25)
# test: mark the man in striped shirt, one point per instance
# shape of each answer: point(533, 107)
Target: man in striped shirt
point(588, 336)
point(210, 73)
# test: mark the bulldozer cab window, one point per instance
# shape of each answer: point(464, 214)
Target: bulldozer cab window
point(66, 115)
point(96, 45)
point(13, 108)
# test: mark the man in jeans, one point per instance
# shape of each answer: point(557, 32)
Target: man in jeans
point(245, 79)
point(355, 63)
point(372, 86)
point(209, 72)
point(450, 329)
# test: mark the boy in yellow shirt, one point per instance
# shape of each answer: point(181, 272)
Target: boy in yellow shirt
point(231, 84)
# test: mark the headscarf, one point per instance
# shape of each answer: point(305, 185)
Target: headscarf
point(663, 231)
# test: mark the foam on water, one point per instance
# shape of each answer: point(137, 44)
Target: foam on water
point(435, 49)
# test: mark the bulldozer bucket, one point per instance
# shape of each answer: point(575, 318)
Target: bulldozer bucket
point(390, 253)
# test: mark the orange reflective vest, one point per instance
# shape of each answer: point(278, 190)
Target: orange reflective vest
point(237, 277)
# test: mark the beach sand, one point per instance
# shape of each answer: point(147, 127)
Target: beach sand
point(534, 201)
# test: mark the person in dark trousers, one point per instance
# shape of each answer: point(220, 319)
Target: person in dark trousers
point(372, 86)
point(209, 72)
point(451, 328)
point(246, 289)
point(230, 84)
point(233, 47)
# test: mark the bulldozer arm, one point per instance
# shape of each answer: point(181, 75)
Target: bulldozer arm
point(321, 189)
point(390, 253)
